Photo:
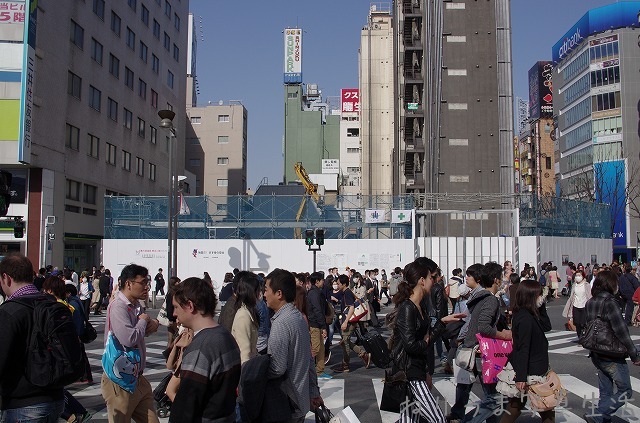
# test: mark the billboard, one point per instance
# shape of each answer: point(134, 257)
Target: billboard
point(610, 186)
point(293, 56)
point(540, 90)
point(616, 15)
point(350, 100)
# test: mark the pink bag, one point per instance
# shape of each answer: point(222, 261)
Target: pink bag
point(495, 353)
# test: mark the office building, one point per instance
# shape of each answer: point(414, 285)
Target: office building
point(350, 146)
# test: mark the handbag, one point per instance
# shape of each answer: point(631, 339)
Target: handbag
point(121, 364)
point(507, 383)
point(90, 334)
point(360, 311)
point(330, 313)
point(395, 390)
point(323, 414)
point(495, 353)
point(598, 337)
point(375, 303)
point(163, 319)
point(547, 395)
point(570, 326)
point(466, 358)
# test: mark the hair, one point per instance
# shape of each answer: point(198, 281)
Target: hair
point(18, 267)
point(247, 294)
point(527, 295)
point(130, 272)
point(83, 274)
point(514, 279)
point(457, 271)
point(173, 282)
point(506, 263)
point(283, 281)
point(358, 277)
point(199, 292)
point(70, 289)
point(42, 271)
point(228, 277)
point(300, 301)
point(397, 270)
point(343, 279)
point(605, 281)
point(584, 275)
point(490, 272)
point(55, 285)
point(419, 268)
point(315, 277)
point(474, 271)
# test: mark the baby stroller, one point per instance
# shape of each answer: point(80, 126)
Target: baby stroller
point(163, 403)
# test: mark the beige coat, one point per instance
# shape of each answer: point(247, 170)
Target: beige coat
point(245, 332)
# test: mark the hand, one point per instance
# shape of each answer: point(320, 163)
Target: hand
point(324, 333)
point(334, 299)
point(343, 326)
point(144, 316)
point(152, 327)
point(522, 386)
point(505, 335)
point(637, 363)
point(453, 317)
point(316, 402)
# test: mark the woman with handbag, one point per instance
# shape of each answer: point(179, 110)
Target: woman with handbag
point(574, 309)
point(360, 291)
point(530, 355)
point(413, 338)
point(606, 335)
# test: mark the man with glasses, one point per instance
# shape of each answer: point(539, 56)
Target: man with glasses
point(129, 323)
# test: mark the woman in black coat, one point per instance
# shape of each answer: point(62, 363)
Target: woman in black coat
point(413, 339)
point(530, 356)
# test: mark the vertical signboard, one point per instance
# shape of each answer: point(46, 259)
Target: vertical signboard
point(350, 100)
point(28, 76)
point(609, 182)
point(293, 56)
point(541, 90)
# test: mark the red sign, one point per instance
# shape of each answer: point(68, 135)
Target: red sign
point(350, 100)
point(11, 12)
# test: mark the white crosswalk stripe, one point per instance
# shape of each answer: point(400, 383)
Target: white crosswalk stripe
point(566, 342)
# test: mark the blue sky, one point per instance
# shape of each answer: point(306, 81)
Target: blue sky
point(240, 56)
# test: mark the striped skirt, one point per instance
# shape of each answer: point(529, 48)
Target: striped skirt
point(422, 406)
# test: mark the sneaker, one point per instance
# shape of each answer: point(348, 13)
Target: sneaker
point(443, 359)
point(341, 368)
point(327, 357)
point(325, 375)
point(366, 357)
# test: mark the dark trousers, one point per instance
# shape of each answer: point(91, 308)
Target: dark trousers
point(385, 292)
point(71, 406)
point(100, 302)
point(374, 317)
point(628, 312)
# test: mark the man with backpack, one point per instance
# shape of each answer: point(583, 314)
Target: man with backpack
point(32, 389)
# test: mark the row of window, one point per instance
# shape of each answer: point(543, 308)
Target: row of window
point(578, 112)
point(72, 141)
point(222, 161)
point(606, 76)
point(580, 159)
point(222, 139)
point(197, 120)
point(607, 126)
point(577, 90)
point(606, 101)
point(579, 135)
point(144, 14)
point(603, 52)
point(130, 35)
point(578, 65)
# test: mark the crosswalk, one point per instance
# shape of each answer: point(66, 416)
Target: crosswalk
point(566, 342)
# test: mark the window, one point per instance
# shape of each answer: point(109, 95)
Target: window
point(605, 101)
point(167, 8)
point(169, 78)
point(194, 162)
point(223, 161)
point(74, 85)
point(72, 137)
point(144, 15)
point(128, 78)
point(194, 141)
point(154, 134)
point(98, 8)
point(152, 171)
point(353, 150)
point(133, 4)
point(96, 51)
point(111, 154)
point(142, 89)
point(72, 209)
point(94, 97)
point(223, 118)
point(223, 182)
point(142, 127)
point(114, 66)
point(353, 132)
point(353, 169)
point(155, 64)
point(548, 162)
point(156, 29)
point(94, 145)
point(90, 212)
point(126, 160)
point(131, 39)
point(139, 166)
point(223, 139)
point(195, 120)
point(176, 21)
point(77, 34)
point(90, 194)
point(169, 106)
point(128, 118)
point(176, 53)
point(116, 22)
point(154, 99)
point(73, 190)
point(144, 50)
point(167, 42)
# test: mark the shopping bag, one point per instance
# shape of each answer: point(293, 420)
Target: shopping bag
point(494, 353)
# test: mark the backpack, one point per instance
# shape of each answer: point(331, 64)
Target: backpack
point(54, 352)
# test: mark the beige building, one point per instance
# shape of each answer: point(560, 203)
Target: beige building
point(377, 103)
point(216, 149)
point(102, 71)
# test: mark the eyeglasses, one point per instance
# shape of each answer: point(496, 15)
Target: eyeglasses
point(142, 282)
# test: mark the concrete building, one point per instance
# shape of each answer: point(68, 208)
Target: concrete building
point(377, 102)
point(455, 109)
point(350, 145)
point(101, 71)
point(596, 90)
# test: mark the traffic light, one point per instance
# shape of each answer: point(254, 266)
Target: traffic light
point(18, 229)
point(308, 237)
point(5, 191)
point(320, 236)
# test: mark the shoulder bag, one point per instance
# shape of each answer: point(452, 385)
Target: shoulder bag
point(598, 337)
point(466, 358)
point(121, 364)
point(395, 391)
point(163, 318)
point(547, 395)
point(359, 312)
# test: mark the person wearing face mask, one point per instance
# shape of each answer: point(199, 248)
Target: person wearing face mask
point(575, 308)
point(530, 355)
point(335, 299)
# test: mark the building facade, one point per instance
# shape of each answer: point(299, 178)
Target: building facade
point(596, 91)
point(350, 145)
point(101, 72)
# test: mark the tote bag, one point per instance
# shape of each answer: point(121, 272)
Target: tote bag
point(495, 353)
point(121, 364)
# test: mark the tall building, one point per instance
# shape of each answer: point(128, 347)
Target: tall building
point(596, 90)
point(377, 103)
point(455, 108)
point(350, 147)
point(98, 76)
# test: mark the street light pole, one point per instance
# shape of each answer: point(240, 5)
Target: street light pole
point(167, 123)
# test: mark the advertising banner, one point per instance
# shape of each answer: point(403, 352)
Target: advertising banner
point(541, 90)
point(350, 100)
point(293, 56)
point(610, 186)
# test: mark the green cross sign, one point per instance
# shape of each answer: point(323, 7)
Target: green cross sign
point(401, 216)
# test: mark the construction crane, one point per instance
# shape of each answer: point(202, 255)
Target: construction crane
point(311, 190)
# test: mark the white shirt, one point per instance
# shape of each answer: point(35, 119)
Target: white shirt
point(580, 295)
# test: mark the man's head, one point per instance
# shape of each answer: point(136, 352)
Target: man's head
point(491, 275)
point(16, 271)
point(343, 281)
point(134, 283)
point(473, 275)
point(160, 270)
point(317, 279)
point(193, 299)
point(457, 272)
point(280, 288)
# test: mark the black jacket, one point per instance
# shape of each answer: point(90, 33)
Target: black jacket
point(530, 355)
point(316, 307)
point(439, 301)
point(410, 350)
